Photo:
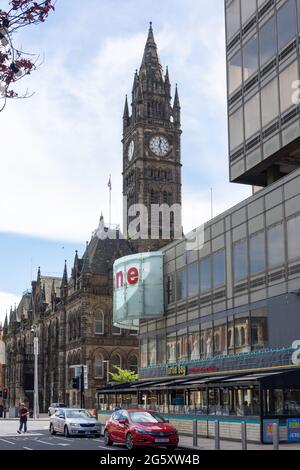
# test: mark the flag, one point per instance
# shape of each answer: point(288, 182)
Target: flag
point(109, 183)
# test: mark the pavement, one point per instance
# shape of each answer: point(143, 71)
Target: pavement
point(209, 444)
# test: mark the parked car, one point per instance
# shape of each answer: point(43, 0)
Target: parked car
point(54, 406)
point(139, 428)
point(74, 422)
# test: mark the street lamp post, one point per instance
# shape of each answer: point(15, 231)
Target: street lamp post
point(36, 378)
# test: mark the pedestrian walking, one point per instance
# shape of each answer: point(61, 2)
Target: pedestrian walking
point(23, 414)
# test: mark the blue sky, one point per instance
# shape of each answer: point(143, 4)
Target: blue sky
point(62, 144)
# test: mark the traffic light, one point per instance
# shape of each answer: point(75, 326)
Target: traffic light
point(5, 394)
point(75, 382)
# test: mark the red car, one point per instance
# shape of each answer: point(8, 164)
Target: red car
point(139, 428)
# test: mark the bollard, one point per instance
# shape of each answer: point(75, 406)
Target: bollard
point(217, 435)
point(244, 435)
point(195, 433)
point(275, 436)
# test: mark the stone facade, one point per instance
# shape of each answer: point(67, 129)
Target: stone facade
point(152, 147)
point(73, 321)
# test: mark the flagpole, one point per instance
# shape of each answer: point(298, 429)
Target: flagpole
point(110, 201)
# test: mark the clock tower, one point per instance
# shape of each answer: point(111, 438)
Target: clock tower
point(152, 156)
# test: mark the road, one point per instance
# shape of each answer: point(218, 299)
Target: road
point(39, 438)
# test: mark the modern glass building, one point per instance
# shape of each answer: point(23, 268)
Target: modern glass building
point(224, 347)
point(262, 42)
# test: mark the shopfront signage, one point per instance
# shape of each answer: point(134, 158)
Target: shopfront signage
point(293, 426)
point(202, 370)
point(176, 370)
point(268, 430)
point(138, 289)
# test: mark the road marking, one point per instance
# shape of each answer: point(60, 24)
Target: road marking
point(51, 443)
point(8, 442)
point(27, 448)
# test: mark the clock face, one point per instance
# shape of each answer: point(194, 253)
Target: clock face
point(130, 150)
point(159, 146)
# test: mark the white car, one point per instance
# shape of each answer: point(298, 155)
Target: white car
point(54, 406)
point(74, 422)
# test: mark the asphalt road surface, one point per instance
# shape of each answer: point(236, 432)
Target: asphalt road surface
point(42, 440)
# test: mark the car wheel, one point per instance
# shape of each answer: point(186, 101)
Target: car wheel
point(107, 439)
point(129, 442)
point(66, 432)
point(52, 432)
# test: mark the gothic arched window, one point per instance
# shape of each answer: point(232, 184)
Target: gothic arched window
point(99, 323)
point(133, 363)
point(115, 361)
point(99, 370)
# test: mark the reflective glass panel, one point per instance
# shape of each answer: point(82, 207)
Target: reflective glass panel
point(193, 279)
point(152, 351)
point(257, 253)
point(267, 40)
point(248, 8)
point(235, 72)
point(276, 245)
point(219, 269)
point(171, 348)
point(252, 116)
point(232, 18)
point(236, 129)
point(286, 80)
point(181, 285)
point(259, 329)
point(286, 23)
point(240, 254)
point(205, 275)
point(250, 57)
point(293, 229)
point(269, 102)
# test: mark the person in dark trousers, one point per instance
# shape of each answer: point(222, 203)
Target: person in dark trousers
point(23, 414)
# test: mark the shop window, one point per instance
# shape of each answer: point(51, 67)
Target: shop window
point(205, 275)
point(193, 280)
point(276, 256)
point(286, 23)
point(181, 285)
point(257, 253)
point(240, 255)
point(219, 269)
point(293, 230)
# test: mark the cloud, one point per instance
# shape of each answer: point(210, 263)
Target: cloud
point(7, 300)
point(61, 145)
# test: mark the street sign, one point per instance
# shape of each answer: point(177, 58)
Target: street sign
point(85, 377)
